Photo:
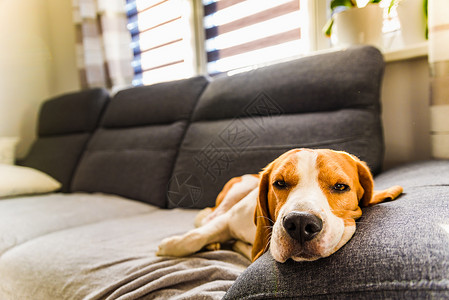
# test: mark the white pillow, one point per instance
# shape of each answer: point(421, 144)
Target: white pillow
point(7, 150)
point(16, 180)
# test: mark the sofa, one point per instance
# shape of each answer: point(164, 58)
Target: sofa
point(116, 174)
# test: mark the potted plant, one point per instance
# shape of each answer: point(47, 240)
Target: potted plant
point(352, 23)
point(412, 16)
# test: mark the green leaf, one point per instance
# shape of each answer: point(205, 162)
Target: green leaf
point(327, 29)
point(392, 3)
point(347, 3)
point(426, 18)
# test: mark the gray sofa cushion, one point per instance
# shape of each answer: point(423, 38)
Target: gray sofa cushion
point(399, 251)
point(133, 152)
point(72, 113)
point(65, 125)
point(243, 122)
point(329, 82)
point(162, 103)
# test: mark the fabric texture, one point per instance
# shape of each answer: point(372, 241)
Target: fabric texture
point(108, 242)
point(399, 251)
point(16, 180)
point(175, 145)
point(72, 113)
point(133, 152)
point(162, 103)
point(317, 83)
point(243, 122)
point(65, 125)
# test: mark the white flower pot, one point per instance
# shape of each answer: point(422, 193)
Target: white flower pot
point(413, 22)
point(358, 26)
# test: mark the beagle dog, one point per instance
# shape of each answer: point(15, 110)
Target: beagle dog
point(302, 206)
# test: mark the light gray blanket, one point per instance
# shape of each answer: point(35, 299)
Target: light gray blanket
point(81, 246)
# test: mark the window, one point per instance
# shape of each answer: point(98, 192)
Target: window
point(242, 33)
point(162, 40)
point(173, 39)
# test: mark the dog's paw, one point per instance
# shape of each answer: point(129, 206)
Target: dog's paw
point(213, 247)
point(170, 247)
point(176, 246)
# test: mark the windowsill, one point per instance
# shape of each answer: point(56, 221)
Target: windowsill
point(396, 55)
point(392, 55)
point(408, 52)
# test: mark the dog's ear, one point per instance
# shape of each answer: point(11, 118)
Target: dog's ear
point(371, 197)
point(366, 181)
point(262, 217)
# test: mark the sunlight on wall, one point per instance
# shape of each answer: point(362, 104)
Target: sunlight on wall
point(25, 61)
point(35, 62)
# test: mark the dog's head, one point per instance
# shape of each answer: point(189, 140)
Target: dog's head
point(308, 203)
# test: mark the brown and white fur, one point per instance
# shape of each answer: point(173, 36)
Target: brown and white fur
point(302, 206)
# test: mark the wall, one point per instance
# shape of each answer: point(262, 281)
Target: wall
point(405, 102)
point(64, 73)
point(37, 61)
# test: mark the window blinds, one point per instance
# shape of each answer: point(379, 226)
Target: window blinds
point(161, 40)
point(242, 33)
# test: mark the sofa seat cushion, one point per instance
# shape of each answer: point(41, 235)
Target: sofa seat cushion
point(26, 218)
point(399, 251)
point(52, 246)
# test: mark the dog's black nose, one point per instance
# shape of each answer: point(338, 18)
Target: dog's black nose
point(302, 226)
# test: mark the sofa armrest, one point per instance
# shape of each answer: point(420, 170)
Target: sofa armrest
point(400, 249)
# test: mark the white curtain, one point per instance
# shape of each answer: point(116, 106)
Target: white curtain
point(103, 43)
point(438, 13)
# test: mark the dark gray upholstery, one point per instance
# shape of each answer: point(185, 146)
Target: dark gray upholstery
point(175, 145)
point(399, 251)
point(133, 152)
point(162, 103)
point(72, 113)
point(326, 82)
point(243, 122)
point(65, 125)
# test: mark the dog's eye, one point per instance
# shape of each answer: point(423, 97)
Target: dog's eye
point(340, 187)
point(280, 184)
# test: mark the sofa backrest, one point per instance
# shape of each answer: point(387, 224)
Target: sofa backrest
point(243, 122)
point(65, 125)
point(176, 144)
point(133, 151)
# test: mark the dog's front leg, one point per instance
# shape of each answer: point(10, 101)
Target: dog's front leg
point(243, 248)
point(216, 231)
